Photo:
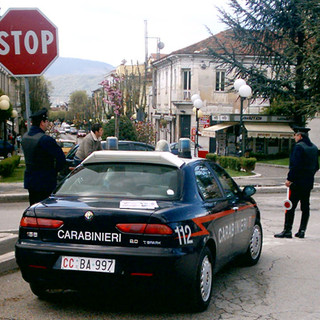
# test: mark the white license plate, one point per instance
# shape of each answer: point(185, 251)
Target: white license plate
point(87, 264)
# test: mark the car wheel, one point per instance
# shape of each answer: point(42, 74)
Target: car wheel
point(252, 256)
point(201, 291)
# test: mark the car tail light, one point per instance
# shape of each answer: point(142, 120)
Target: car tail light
point(31, 222)
point(144, 228)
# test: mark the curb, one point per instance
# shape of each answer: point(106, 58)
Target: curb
point(14, 197)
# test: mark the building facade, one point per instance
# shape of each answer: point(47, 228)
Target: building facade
point(190, 71)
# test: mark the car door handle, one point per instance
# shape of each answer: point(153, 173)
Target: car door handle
point(235, 208)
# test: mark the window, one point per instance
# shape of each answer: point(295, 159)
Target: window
point(229, 186)
point(220, 80)
point(125, 180)
point(186, 84)
point(207, 184)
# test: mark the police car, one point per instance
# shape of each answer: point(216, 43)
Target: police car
point(128, 215)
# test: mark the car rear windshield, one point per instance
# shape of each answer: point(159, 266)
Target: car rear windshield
point(125, 180)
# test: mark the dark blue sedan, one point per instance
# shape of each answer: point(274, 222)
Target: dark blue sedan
point(130, 215)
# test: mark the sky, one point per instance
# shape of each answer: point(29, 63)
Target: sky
point(112, 30)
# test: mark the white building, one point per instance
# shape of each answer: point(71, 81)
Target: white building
point(189, 71)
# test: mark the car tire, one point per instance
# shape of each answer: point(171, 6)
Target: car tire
point(252, 256)
point(201, 290)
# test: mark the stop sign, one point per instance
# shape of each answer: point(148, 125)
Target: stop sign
point(28, 42)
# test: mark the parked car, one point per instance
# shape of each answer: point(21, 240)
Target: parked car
point(81, 133)
point(66, 145)
point(4, 152)
point(122, 145)
point(139, 215)
point(73, 130)
point(174, 147)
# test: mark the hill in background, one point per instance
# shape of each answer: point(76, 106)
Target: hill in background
point(70, 74)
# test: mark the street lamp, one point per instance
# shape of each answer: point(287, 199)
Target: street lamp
point(197, 105)
point(245, 92)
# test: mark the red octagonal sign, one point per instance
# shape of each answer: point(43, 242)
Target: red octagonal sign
point(28, 42)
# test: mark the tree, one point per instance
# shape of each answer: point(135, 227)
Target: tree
point(126, 129)
point(145, 132)
point(114, 99)
point(279, 35)
point(80, 106)
point(39, 89)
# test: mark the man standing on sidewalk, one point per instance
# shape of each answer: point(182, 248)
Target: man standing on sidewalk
point(302, 168)
point(43, 157)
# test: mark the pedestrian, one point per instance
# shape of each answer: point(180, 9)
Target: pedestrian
point(90, 143)
point(43, 158)
point(302, 168)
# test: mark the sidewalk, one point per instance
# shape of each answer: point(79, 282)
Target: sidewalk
point(267, 178)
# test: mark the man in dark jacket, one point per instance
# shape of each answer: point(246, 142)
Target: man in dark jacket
point(303, 166)
point(43, 158)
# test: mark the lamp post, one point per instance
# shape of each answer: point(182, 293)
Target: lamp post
point(197, 105)
point(245, 92)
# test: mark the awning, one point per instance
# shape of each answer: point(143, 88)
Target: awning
point(269, 130)
point(211, 131)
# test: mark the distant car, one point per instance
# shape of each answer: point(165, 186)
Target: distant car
point(73, 130)
point(61, 130)
point(81, 133)
point(66, 145)
point(67, 128)
point(139, 216)
point(175, 145)
point(4, 152)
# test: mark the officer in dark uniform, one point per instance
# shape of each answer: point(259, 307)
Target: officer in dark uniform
point(302, 168)
point(43, 158)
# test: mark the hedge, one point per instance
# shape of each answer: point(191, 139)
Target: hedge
point(234, 163)
point(8, 165)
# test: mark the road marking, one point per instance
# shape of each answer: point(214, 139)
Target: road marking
point(7, 236)
point(7, 256)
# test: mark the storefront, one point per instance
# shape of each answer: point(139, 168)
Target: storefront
point(262, 134)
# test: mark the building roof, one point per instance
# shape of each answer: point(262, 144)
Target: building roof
point(225, 38)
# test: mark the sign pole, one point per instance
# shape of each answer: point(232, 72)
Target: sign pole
point(28, 112)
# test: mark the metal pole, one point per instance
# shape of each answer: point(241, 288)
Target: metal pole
point(241, 127)
point(28, 113)
point(197, 134)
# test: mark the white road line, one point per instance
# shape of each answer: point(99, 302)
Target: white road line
point(7, 236)
point(7, 256)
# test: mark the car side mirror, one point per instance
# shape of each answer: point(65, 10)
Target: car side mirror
point(248, 191)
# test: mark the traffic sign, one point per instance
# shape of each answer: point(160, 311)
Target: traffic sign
point(28, 42)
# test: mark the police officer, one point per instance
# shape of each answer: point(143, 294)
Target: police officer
point(302, 168)
point(43, 158)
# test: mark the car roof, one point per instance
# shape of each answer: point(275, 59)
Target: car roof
point(155, 157)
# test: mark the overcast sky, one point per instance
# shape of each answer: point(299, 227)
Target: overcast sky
point(113, 30)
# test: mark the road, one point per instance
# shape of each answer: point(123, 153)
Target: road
point(285, 284)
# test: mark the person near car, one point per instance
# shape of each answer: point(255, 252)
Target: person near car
point(302, 168)
point(43, 158)
point(90, 143)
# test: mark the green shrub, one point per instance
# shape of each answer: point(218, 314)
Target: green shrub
point(234, 163)
point(8, 165)
point(223, 161)
point(248, 164)
point(212, 156)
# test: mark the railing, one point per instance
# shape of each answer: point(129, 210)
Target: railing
point(186, 95)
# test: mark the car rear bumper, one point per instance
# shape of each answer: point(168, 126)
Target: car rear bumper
point(41, 264)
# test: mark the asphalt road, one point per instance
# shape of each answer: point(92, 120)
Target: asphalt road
point(285, 284)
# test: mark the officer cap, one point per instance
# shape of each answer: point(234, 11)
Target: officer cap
point(40, 115)
point(301, 130)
